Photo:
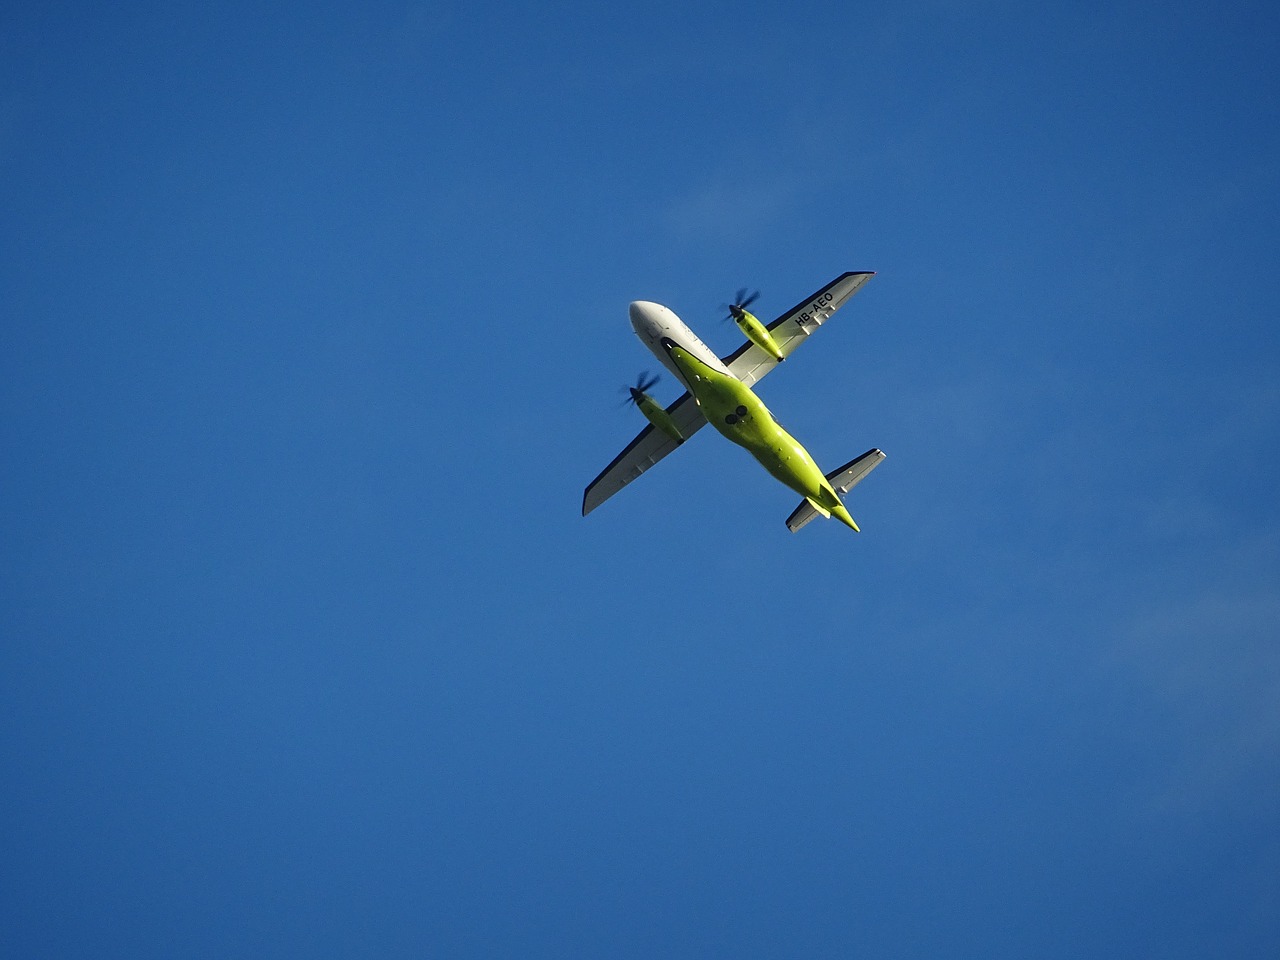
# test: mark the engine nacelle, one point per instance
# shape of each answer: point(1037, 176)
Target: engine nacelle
point(656, 415)
point(756, 332)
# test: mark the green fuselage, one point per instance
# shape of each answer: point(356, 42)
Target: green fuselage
point(732, 408)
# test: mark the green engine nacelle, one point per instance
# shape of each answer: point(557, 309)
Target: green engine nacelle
point(756, 332)
point(657, 415)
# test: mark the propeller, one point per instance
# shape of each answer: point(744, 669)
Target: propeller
point(643, 383)
point(739, 303)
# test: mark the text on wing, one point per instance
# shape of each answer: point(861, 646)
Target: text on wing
point(817, 311)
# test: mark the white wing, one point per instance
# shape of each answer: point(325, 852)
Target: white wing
point(642, 453)
point(749, 363)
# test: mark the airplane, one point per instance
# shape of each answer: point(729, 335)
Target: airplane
point(718, 391)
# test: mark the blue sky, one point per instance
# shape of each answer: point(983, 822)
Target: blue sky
point(313, 326)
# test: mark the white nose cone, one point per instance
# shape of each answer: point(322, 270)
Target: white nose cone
point(646, 318)
point(654, 324)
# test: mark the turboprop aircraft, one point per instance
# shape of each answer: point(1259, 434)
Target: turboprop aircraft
point(718, 390)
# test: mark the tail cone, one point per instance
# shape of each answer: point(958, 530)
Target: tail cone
point(841, 513)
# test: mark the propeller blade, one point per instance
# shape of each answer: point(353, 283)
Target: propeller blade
point(643, 384)
point(739, 302)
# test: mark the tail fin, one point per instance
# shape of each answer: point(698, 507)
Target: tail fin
point(842, 480)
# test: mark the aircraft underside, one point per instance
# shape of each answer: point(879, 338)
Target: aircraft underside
point(719, 393)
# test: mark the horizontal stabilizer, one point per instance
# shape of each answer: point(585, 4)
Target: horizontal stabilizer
point(842, 480)
point(845, 478)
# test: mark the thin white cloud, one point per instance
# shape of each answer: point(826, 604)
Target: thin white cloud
point(725, 209)
point(1209, 664)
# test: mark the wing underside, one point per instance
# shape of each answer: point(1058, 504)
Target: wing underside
point(749, 363)
point(649, 446)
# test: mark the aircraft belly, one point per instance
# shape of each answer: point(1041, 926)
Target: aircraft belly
point(789, 462)
point(759, 434)
point(733, 409)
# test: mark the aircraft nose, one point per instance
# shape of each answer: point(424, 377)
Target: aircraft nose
point(645, 315)
point(640, 310)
